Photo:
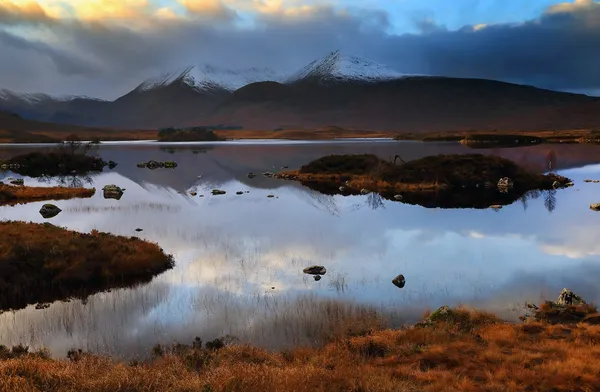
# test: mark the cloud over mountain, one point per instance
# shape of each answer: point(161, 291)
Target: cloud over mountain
point(104, 47)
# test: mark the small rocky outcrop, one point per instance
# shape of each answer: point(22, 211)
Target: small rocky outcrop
point(193, 193)
point(251, 175)
point(49, 211)
point(317, 278)
point(595, 206)
point(399, 281)
point(112, 164)
point(216, 192)
point(112, 192)
point(239, 193)
point(569, 308)
point(270, 196)
point(315, 270)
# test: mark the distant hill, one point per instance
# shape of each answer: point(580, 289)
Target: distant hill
point(340, 90)
point(14, 129)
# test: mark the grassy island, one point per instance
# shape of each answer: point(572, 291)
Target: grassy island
point(44, 263)
point(451, 350)
point(469, 180)
point(194, 134)
point(25, 194)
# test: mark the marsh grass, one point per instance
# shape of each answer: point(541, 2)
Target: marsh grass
point(43, 262)
point(10, 195)
point(471, 351)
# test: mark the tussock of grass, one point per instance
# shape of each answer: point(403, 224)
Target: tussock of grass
point(463, 351)
point(43, 263)
point(24, 194)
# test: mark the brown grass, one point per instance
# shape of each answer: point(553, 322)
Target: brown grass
point(25, 194)
point(326, 133)
point(548, 136)
point(42, 263)
point(359, 182)
point(471, 352)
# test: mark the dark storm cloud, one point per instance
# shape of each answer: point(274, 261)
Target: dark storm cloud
point(560, 50)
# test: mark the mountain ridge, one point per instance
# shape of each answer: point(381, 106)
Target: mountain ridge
point(336, 89)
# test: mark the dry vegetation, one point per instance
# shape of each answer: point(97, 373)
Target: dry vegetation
point(325, 133)
point(464, 351)
point(498, 137)
point(43, 263)
point(426, 174)
point(25, 194)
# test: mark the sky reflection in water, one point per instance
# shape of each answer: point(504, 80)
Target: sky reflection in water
point(232, 249)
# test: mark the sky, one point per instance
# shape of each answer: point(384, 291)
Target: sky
point(104, 48)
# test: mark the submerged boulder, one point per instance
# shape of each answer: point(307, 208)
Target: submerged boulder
point(315, 270)
point(49, 211)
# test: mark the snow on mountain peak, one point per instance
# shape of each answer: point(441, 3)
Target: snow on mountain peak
point(209, 77)
point(339, 67)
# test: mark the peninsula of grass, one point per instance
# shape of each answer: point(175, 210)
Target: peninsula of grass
point(24, 194)
point(474, 177)
point(42, 263)
point(452, 350)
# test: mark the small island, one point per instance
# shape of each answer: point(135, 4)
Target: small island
point(11, 194)
point(68, 158)
point(193, 134)
point(447, 181)
point(41, 263)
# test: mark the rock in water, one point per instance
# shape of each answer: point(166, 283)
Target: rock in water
point(216, 192)
point(399, 281)
point(315, 270)
point(595, 206)
point(317, 278)
point(49, 211)
point(18, 181)
point(398, 197)
point(112, 192)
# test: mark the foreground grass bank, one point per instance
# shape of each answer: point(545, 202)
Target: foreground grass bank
point(41, 263)
point(24, 194)
point(453, 350)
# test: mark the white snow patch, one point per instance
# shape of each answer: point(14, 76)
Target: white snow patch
point(338, 67)
point(209, 77)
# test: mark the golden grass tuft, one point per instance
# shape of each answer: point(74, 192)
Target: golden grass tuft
point(24, 194)
point(468, 351)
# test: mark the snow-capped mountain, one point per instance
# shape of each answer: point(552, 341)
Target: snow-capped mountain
point(36, 98)
point(339, 67)
point(208, 77)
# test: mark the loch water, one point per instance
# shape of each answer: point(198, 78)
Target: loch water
point(239, 258)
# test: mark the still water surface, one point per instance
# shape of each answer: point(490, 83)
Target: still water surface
point(239, 258)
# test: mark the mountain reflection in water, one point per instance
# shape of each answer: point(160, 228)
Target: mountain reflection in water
point(239, 258)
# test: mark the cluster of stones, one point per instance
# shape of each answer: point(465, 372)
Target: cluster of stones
point(10, 166)
point(156, 165)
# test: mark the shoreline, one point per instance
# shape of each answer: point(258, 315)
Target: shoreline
point(450, 349)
